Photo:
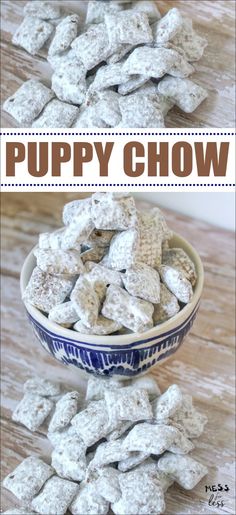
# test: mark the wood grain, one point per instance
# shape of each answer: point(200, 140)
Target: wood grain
point(203, 366)
point(215, 71)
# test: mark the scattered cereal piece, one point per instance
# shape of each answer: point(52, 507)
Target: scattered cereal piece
point(92, 47)
point(189, 418)
point(186, 471)
point(128, 26)
point(19, 511)
point(67, 89)
point(72, 210)
point(166, 28)
point(181, 445)
point(97, 386)
point(55, 497)
point(186, 94)
point(32, 411)
point(140, 114)
point(66, 32)
point(148, 7)
point(64, 61)
point(120, 429)
point(142, 281)
point(89, 501)
point(132, 84)
point(100, 237)
point(108, 452)
point(107, 483)
point(40, 386)
point(51, 240)
point(107, 76)
point(69, 460)
point(167, 404)
point(66, 409)
point(92, 423)
point(177, 258)
point(149, 61)
point(135, 459)
point(28, 478)
point(59, 262)
point(85, 301)
point(141, 493)
point(57, 438)
point(42, 9)
point(28, 101)
point(78, 230)
point(96, 10)
point(177, 283)
point(94, 254)
point(128, 404)
point(150, 438)
point(32, 34)
point(147, 383)
point(45, 291)
point(133, 313)
point(57, 114)
point(189, 41)
point(167, 307)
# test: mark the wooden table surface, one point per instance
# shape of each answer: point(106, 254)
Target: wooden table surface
point(214, 19)
point(204, 365)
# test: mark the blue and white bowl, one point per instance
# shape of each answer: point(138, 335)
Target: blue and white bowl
point(125, 355)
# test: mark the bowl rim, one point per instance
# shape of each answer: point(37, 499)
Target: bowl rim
point(119, 339)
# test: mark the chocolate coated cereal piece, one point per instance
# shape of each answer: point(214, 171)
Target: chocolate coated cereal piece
point(28, 478)
point(44, 10)
point(40, 386)
point(57, 438)
point(141, 494)
point(89, 501)
point(89, 118)
point(150, 438)
point(181, 445)
point(44, 291)
point(108, 452)
point(51, 240)
point(133, 313)
point(142, 281)
point(150, 240)
point(103, 326)
point(147, 383)
point(107, 107)
point(128, 27)
point(132, 84)
point(63, 313)
point(113, 211)
point(100, 237)
point(107, 483)
point(28, 101)
point(186, 94)
point(186, 471)
point(151, 467)
point(177, 283)
point(66, 32)
point(191, 421)
point(32, 411)
point(55, 497)
point(140, 114)
point(32, 34)
point(166, 28)
point(188, 41)
point(119, 54)
point(120, 429)
point(63, 61)
point(69, 460)
point(167, 404)
point(147, 7)
point(167, 307)
point(19, 511)
point(128, 404)
point(94, 254)
point(92, 47)
point(96, 10)
point(59, 262)
point(97, 386)
point(67, 89)
point(177, 258)
point(66, 409)
point(85, 301)
point(92, 424)
point(107, 76)
point(123, 250)
point(57, 114)
point(149, 61)
point(74, 209)
point(100, 277)
point(78, 230)
point(135, 459)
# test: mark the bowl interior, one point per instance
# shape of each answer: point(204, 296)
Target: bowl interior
point(176, 241)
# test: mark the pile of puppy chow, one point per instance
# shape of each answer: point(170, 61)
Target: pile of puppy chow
point(119, 449)
point(126, 66)
point(110, 269)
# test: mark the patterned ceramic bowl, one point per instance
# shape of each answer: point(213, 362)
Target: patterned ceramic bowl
point(120, 355)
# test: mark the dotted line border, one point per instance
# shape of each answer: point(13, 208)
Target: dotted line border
point(117, 133)
point(117, 185)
